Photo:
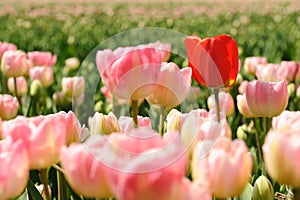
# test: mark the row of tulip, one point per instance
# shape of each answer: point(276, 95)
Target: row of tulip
point(124, 157)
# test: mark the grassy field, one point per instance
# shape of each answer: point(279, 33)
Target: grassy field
point(74, 28)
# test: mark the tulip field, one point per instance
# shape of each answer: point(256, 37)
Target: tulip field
point(150, 100)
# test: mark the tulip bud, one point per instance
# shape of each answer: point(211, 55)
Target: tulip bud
point(8, 107)
point(103, 124)
point(239, 79)
point(174, 120)
point(263, 189)
point(251, 63)
point(291, 89)
point(240, 133)
point(98, 106)
point(72, 63)
point(36, 88)
point(72, 86)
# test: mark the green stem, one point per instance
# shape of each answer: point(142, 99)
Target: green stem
point(134, 112)
point(259, 147)
point(4, 85)
point(61, 185)
point(162, 117)
point(216, 94)
point(16, 95)
point(44, 179)
point(268, 125)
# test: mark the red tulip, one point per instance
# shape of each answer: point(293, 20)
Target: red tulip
point(214, 61)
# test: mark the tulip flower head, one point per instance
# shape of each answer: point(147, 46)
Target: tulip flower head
point(103, 124)
point(267, 99)
point(226, 169)
point(14, 168)
point(281, 150)
point(214, 61)
point(251, 63)
point(172, 86)
point(130, 73)
point(43, 74)
point(73, 86)
point(14, 63)
point(39, 58)
point(8, 106)
point(84, 173)
point(226, 103)
point(5, 46)
point(43, 137)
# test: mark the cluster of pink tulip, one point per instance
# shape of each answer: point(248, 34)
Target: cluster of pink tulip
point(193, 155)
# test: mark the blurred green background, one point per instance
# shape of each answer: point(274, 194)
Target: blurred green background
point(74, 28)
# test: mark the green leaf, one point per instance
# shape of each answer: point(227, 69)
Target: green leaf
point(33, 192)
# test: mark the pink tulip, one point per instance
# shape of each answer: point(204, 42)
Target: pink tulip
point(43, 74)
point(297, 74)
point(5, 46)
point(267, 99)
point(108, 96)
point(242, 105)
point(197, 128)
point(103, 124)
point(251, 63)
point(290, 69)
point(126, 124)
point(298, 92)
point(13, 63)
point(83, 171)
point(163, 48)
point(14, 168)
point(145, 166)
point(243, 87)
point(175, 119)
point(281, 152)
point(0, 128)
point(74, 132)
point(192, 191)
point(39, 58)
point(287, 122)
point(22, 86)
point(225, 101)
point(225, 170)
point(271, 73)
point(194, 94)
point(129, 73)
point(172, 86)
point(43, 136)
point(73, 86)
point(8, 107)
